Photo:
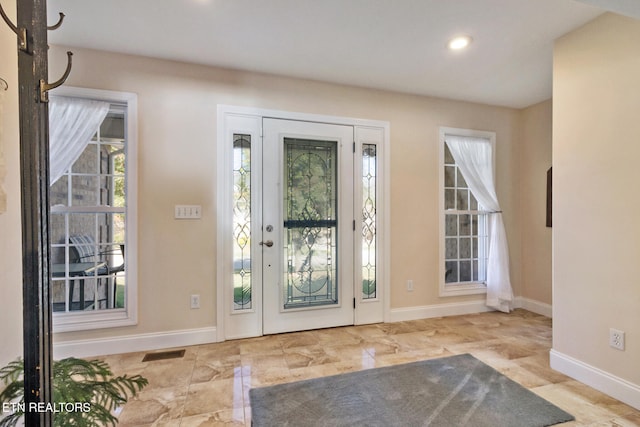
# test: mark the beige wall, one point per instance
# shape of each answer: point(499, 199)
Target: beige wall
point(535, 155)
point(10, 237)
point(177, 146)
point(596, 127)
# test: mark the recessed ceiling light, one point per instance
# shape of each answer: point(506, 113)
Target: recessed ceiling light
point(459, 42)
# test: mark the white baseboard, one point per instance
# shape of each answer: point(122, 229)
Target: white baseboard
point(533, 306)
point(458, 308)
point(605, 382)
point(436, 310)
point(131, 343)
point(160, 340)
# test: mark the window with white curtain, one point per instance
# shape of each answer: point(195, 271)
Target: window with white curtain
point(464, 223)
point(465, 239)
point(474, 250)
point(92, 221)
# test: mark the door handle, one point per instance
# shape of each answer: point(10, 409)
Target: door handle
point(268, 243)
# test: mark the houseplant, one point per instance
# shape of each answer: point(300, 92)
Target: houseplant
point(85, 392)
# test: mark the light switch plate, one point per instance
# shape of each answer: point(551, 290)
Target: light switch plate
point(188, 212)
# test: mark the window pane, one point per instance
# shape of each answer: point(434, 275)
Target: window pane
point(462, 200)
point(449, 199)
point(118, 230)
point(448, 158)
point(310, 192)
point(461, 182)
point(57, 235)
point(85, 190)
point(450, 176)
point(116, 156)
point(58, 295)
point(451, 251)
point(311, 179)
point(242, 284)
point(88, 271)
point(369, 183)
point(115, 187)
point(112, 127)
point(451, 271)
point(465, 248)
point(473, 203)
point(311, 274)
point(83, 225)
point(119, 196)
point(59, 192)
point(451, 225)
point(465, 225)
point(88, 160)
point(465, 271)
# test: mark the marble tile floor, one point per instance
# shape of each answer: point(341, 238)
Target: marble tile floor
point(209, 385)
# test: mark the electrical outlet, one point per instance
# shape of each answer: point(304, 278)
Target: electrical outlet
point(410, 285)
point(616, 339)
point(195, 301)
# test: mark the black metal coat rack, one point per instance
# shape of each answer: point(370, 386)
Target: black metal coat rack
point(33, 88)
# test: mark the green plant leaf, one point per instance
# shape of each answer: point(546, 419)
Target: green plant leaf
point(87, 383)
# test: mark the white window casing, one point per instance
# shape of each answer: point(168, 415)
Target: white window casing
point(106, 317)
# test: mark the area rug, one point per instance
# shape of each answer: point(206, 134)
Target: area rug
point(450, 392)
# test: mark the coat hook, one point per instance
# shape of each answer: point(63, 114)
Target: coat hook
point(20, 32)
point(46, 87)
point(4, 83)
point(55, 27)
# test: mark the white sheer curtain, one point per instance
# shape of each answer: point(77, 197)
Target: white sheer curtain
point(72, 123)
point(474, 158)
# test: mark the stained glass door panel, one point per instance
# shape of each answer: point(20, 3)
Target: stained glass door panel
point(307, 217)
point(310, 223)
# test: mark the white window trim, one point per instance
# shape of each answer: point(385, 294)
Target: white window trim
point(79, 321)
point(455, 289)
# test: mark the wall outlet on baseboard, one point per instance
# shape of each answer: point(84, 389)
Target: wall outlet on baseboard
point(616, 339)
point(195, 301)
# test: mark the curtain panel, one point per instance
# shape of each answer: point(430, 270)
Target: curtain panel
point(72, 124)
point(474, 158)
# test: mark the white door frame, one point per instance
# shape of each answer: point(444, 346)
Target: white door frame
point(248, 121)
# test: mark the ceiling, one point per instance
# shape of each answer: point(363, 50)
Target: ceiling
point(397, 45)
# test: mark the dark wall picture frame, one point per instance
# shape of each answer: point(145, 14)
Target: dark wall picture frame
point(549, 196)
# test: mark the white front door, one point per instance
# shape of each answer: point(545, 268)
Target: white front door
point(301, 222)
point(307, 225)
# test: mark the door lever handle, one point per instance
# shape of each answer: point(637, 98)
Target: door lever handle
point(268, 243)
